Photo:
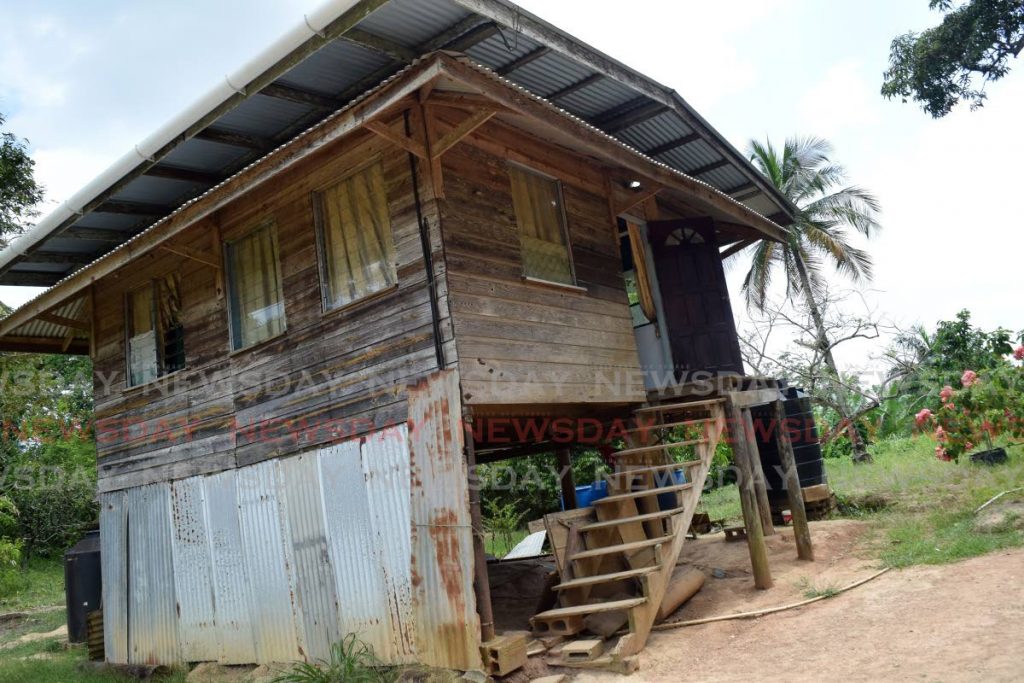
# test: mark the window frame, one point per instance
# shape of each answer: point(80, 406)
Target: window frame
point(320, 228)
point(563, 217)
point(229, 285)
point(154, 284)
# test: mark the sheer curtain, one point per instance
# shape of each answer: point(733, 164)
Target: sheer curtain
point(257, 303)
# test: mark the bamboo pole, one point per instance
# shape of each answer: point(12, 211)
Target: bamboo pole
point(801, 529)
point(764, 507)
point(748, 503)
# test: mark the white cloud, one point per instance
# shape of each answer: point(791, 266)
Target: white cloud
point(842, 101)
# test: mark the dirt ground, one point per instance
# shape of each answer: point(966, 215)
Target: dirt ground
point(958, 622)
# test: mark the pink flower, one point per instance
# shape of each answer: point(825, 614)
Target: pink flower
point(946, 393)
point(940, 433)
point(968, 446)
point(969, 378)
point(941, 454)
point(922, 417)
point(1018, 352)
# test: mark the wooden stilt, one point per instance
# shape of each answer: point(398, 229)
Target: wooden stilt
point(748, 502)
point(565, 478)
point(801, 530)
point(764, 507)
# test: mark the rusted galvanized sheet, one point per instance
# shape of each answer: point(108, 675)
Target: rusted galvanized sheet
point(444, 605)
point(273, 608)
point(114, 572)
point(230, 578)
point(152, 607)
point(307, 533)
point(197, 627)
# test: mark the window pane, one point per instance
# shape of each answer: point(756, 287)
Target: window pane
point(359, 251)
point(257, 304)
point(142, 357)
point(538, 205)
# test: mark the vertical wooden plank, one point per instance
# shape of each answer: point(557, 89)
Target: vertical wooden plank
point(748, 501)
point(801, 529)
point(757, 471)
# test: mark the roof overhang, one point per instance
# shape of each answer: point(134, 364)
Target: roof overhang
point(335, 55)
point(59, 319)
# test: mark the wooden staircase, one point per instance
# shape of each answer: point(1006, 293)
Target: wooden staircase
point(617, 567)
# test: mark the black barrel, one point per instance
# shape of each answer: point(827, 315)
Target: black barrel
point(806, 447)
point(82, 584)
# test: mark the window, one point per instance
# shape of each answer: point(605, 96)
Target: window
point(358, 251)
point(156, 340)
point(537, 200)
point(255, 301)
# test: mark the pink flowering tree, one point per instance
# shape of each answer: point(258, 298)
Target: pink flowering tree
point(981, 409)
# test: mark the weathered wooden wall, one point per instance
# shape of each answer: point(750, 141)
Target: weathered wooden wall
point(328, 376)
point(520, 342)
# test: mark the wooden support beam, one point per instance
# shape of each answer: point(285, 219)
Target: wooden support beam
point(481, 584)
point(635, 198)
point(617, 120)
point(531, 56)
point(429, 136)
point(574, 87)
point(217, 250)
point(748, 503)
point(801, 529)
point(228, 137)
point(193, 254)
point(70, 323)
point(472, 37)
point(184, 174)
point(68, 340)
point(463, 100)
point(42, 345)
point(452, 137)
point(565, 478)
point(301, 96)
point(94, 322)
point(736, 248)
point(385, 46)
point(445, 37)
point(30, 278)
point(707, 168)
point(65, 258)
point(133, 208)
point(672, 144)
point(96, 234)
point(408, 144)
point(764, 506)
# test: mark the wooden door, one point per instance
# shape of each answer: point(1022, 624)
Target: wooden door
point(702, 334)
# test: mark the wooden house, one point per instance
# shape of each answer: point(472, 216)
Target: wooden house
point(316, 297)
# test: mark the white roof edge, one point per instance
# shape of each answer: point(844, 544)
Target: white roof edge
point(232, 83)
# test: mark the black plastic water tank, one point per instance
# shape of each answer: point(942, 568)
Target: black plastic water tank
point(82, 584)
point(806, 446)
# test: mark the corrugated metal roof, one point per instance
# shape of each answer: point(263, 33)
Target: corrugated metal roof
point(333, 70)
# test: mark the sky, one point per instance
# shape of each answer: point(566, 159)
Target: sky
point(83, 82)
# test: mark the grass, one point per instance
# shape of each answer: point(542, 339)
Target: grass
point(923, 508)
point(723, 503)
point(40, 584)
point(351, 661)
point(812, 591)
point(497, 546)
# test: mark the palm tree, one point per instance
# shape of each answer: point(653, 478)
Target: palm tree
point(827, 212)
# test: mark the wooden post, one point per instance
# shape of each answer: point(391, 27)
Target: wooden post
point(764, 507)
point(481, 582)
point(801, 530)
point(748, 502)
point(566, 479)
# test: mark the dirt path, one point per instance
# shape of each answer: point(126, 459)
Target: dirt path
point(959, 622)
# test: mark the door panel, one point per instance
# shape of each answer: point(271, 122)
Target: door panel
point(698, 313)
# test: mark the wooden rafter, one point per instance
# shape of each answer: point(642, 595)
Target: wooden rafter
point(452, 137)
point(430, 135)
point(672, 144)
point(707, 168)
point(635, 198)
point(227, 137)
point(184, 174)
point(394, 50)
point(574, 87)
point(531, 56)
point(133, 208)
point(193, 254)
point(736, 248)
point(301, 96)
point(70, 323)
point(409, 144)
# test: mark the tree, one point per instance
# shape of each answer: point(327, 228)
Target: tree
point(19, 192)
point(826, 213)
point(955, 60)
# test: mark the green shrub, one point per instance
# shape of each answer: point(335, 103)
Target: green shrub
point(351, 661)
point(55, 506)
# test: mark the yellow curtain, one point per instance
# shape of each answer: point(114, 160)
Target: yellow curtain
point(257, 300)
point(643, 279)
point(358, 245)
point(538, 205)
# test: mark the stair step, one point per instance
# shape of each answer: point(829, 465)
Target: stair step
point(581, 610)
point(606, 578)
point(669, 425)
point(623, 548)
point(645, 492)
point(659, 447)
point(648, 517)
point(653, 469)
point(679, 406)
